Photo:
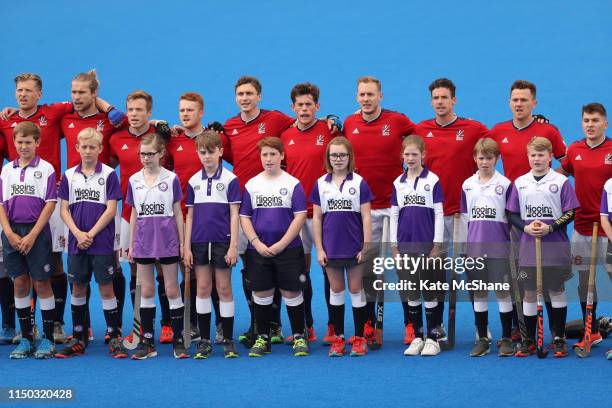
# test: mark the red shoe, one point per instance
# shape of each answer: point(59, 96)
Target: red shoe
point(409, 333)
point(516, 335)
point(595, 339)
point(337, 348)
point(166, 336)
point(369, 333)
point(330, 335)
point(360, 347)
point(526, 349)
point(107, 336)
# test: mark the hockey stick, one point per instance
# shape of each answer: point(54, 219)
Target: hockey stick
point(517, 291)
point(452, 298)
point(136, 330)
point(542, 351)
point(187, 309)
point(588, 320)
point(380, 295)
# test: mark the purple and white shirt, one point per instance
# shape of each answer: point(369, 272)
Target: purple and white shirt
point(606, 200)
point(210, 198)
point(341, 208)
point(485, 206)
point(417, 216)
point(156, 233)
point(87, 197)
point(25, 190)
point(271, 205)
point(545, 200)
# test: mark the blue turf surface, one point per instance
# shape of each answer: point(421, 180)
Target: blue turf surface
point(168, 48)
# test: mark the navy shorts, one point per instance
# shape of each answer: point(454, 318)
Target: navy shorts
point(81, 267)
point(553, 277)
point(342, 263)
point(494, 271)
point(285, 270)
point(211, 253)
point(38, 263)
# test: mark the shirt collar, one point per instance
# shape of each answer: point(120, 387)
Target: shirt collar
point(33, 163)
point(98, 168)
point(424, 173)
point(216, 176)
point(328, 178)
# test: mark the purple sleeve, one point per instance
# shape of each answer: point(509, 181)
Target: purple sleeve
point(568, 197)
point(233, 191)
point(463, 202)
point(63, 191)
point(51, 189)
point(314, 195)
point(394, 196)
point(245, 207)
point(512, 204)
point(190, 196)
point(604, 203)
point(113, 189)
point(1, 191)
point(129, 197)
point(509, 191)
point(298, 199)
point(365, 194)
point(176, 190)
point(438, 195)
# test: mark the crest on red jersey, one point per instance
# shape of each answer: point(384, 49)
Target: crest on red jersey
point(608, 159)
point(386, 130)
point(459, 135)
point(42, 121)
point(262, 129)
point(100, 126)
point(320, 140)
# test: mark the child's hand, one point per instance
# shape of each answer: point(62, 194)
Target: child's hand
point(436, 251)
point(322, 257)
point(359, 256)
point(83, 240)
point(14, 240)
point(263, 249)
point(26, 244)
point(187, 258)
point(277, 248)
point(129, 255)
point(232, 256)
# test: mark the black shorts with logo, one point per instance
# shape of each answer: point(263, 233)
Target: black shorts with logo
point(285, 270)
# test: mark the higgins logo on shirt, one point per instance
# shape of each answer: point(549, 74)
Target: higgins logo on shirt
point(484, 212)
point(268, 201)
point(22, 189)
point(152, 209)
point(86, 194)
point(342, 204)
point(414, 199)
point(537, 211)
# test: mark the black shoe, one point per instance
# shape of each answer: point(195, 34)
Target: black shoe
point(145, 349)
point(481, 348)
point(73, 348)
point(229, 349)
point(179, 350)
point(204, 350)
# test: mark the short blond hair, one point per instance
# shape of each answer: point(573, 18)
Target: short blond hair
point(370, 80)
point(90, 134)
point(540, 144)
point(28, 76)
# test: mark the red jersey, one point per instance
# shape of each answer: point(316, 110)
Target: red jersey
point(512, 143)
point(240, 141)
point(125, 147)
point(377, 146)
point(182, 158)
point(305, 154)
point(450, 155)
point(73, 123)
point(48, 118)
point(591, 168)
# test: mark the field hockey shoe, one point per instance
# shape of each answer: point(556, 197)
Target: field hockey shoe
point(526, 348)
point(178, 349)
point(300, 346)
point(204, 350)
point(595, 339)
point(167, 335)
point(559, 347)
point(107, 335)
point(504, 347)
point(59, 335)
point(415, 348)
point(7, 334)
point(218, 333)
point(229, 349)
point(330, 335)
point(481, 348)
point(409, 334)
point(45, 349)
point(337, 347)
point(360, 347)
point(276, 334)
point(74, 347)
point(116, 349)
point(369, 333)
point(23, 350)
point(431, 348)
point(260, 347)
point(145, 349)
point(312, 336)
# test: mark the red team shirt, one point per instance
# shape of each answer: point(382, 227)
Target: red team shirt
point(48, 118)
point(240, 141)
point(73, 123)
point(591, 168)
point(305, 154)
point(512, 144)
point(182, 158)
point(450, 155)
point(377, 146)
point(125, 147)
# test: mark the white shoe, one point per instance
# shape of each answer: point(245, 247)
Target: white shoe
point(431, 348)
point(415, 348)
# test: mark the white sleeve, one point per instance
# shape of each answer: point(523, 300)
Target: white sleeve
point(393, 223)
point(438, 223)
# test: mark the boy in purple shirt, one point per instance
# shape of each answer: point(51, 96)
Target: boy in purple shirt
point(28, 197)
point(89, 193)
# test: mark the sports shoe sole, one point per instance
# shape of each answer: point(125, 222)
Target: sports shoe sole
point(152, 354)
point(231, 355)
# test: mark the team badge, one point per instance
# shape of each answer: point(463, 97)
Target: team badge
point(320, 140)
point(100, 126)
point(429, 134)
point(262, 129)
point(553, 188)
point(459, 135)
point(111, 270)
point(42, 121)
point(352, 191)
point(386, 130)
point(47, 268)
point(163, 186)
point(499, 189)
point(37, 174)
point(427, 187)
point(608, 159)
point(101, 181)
point(283, 191)
point(220, 187)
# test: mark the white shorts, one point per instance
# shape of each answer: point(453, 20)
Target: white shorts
point(243, 242)
point(306, 236)
point(377, 223)
point(581, 250)
point(449, 227)
point(58, 229)
point(124, 239)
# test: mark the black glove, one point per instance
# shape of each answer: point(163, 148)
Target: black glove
point(162, 129)
point(540, 118)
point(216, 126)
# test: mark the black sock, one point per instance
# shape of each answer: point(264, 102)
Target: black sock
point(549, 315)
point(360, 316)
point(163, 300)
point(48, 319)
point(132, 288)
point(262, 316)
point(370, 311)
point(193, 314)
point(515, 319)
point(439, 313)
point(506, 323)
point(406, 310)
point(595, 322)
point(204, 325)
point(79, 318)
point(87, 315)
point(246, 287)
point(25, 322)
point(308, 301)
point(431, 317)
point(531, 323)
point(147, 320)
point(59, 285)
point(482, 321)
point(337, 318)
point(112, 321)
point(214, 297)
point(33, 308)
point(326, 288)
point(559, 316)
point(176, 320)
point(227, 324)
point(296, 318)
point(119, 289)
point(7, 302)
point(416, 317)
point(276, 308)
